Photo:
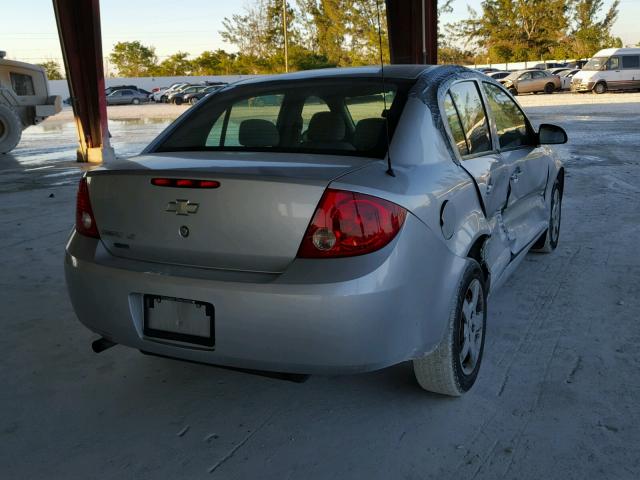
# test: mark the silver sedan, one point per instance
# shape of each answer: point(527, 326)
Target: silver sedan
point(326, 221)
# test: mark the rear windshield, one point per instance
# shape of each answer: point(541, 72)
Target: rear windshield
point(330, 116)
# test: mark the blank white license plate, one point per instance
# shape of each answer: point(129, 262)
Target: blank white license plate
point(180, 320)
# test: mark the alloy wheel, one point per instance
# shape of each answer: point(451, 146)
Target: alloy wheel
point(471, 327)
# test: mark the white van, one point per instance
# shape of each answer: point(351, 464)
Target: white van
point(609, 69)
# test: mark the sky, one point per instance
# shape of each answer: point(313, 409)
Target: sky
point(28, 29)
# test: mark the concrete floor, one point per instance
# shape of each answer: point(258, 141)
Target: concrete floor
point(557, 396)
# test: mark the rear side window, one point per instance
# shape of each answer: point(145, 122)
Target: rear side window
point(511, 124)
point(631, 61)
point(22, 84)
point(455, 125)
point(468, 103)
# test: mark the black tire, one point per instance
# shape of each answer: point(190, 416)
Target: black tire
point(549, 240)
point(549, 88)
point(600, 88)
point(513, 91)
point(10, 129)
point(446, 370)
point(135, 101)
point(164, 99)
point(193, 100)
point(177, 100)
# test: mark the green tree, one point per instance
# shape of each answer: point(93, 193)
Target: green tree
point(176, 65)
point(52, 68)
point(133, 59)
point(590, 33)
point(214, 63)
point(514, 30)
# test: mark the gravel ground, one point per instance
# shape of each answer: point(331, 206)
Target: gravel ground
point(557, 396)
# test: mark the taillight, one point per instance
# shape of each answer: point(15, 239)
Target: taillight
point(85, 220)
point(346, 224)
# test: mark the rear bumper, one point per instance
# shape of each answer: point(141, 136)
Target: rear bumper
point(320, 316)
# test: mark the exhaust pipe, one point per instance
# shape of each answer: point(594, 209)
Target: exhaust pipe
point(102, 344)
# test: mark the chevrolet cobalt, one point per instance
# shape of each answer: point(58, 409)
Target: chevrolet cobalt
point(318, 222)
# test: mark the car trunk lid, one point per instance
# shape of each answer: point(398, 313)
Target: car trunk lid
point(254, 221)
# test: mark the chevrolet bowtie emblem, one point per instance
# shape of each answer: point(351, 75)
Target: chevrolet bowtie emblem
point(182, 207)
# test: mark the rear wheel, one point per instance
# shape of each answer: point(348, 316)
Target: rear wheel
point(549, 88)
point(193, 100)
point(513, 91)
point(452, 368)
point(177, 101)
point(136, 101)
point(600, 88)
point(548, 241)
point(10, 129)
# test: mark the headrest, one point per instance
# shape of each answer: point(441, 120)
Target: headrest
point(258, 133)
point(368, 133)
point(326, 127)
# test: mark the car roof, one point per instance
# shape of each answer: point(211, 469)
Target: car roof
point(391, 72)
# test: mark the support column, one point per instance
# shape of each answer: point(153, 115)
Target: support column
point(81, 42)
point(413, 31)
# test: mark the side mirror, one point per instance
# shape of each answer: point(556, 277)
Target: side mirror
point(551, 135)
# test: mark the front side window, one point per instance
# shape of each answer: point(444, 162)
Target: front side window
point(613, 63)
point(22, 84)
point(327, 116)
point(511, 124)
point(468, 103)
point(631, 61)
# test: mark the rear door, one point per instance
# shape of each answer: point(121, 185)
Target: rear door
point(525, 83)
point(468, 123)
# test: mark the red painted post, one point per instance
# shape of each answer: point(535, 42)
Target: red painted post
point(413, 31)
point(81, 42)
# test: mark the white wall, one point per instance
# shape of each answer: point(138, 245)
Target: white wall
point(517, 65)
point(60, 87)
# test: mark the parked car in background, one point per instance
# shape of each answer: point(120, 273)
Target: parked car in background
point(164, 97)
point(110, 90)
point(566, 77)
point(178, 96)
point(486, 70)
point(498, 75)
point(531, 81)
point(609, 69)
point(548, 65)
point(276, 236)
point(556, 71)
point(127, 97)
point(193, 98)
